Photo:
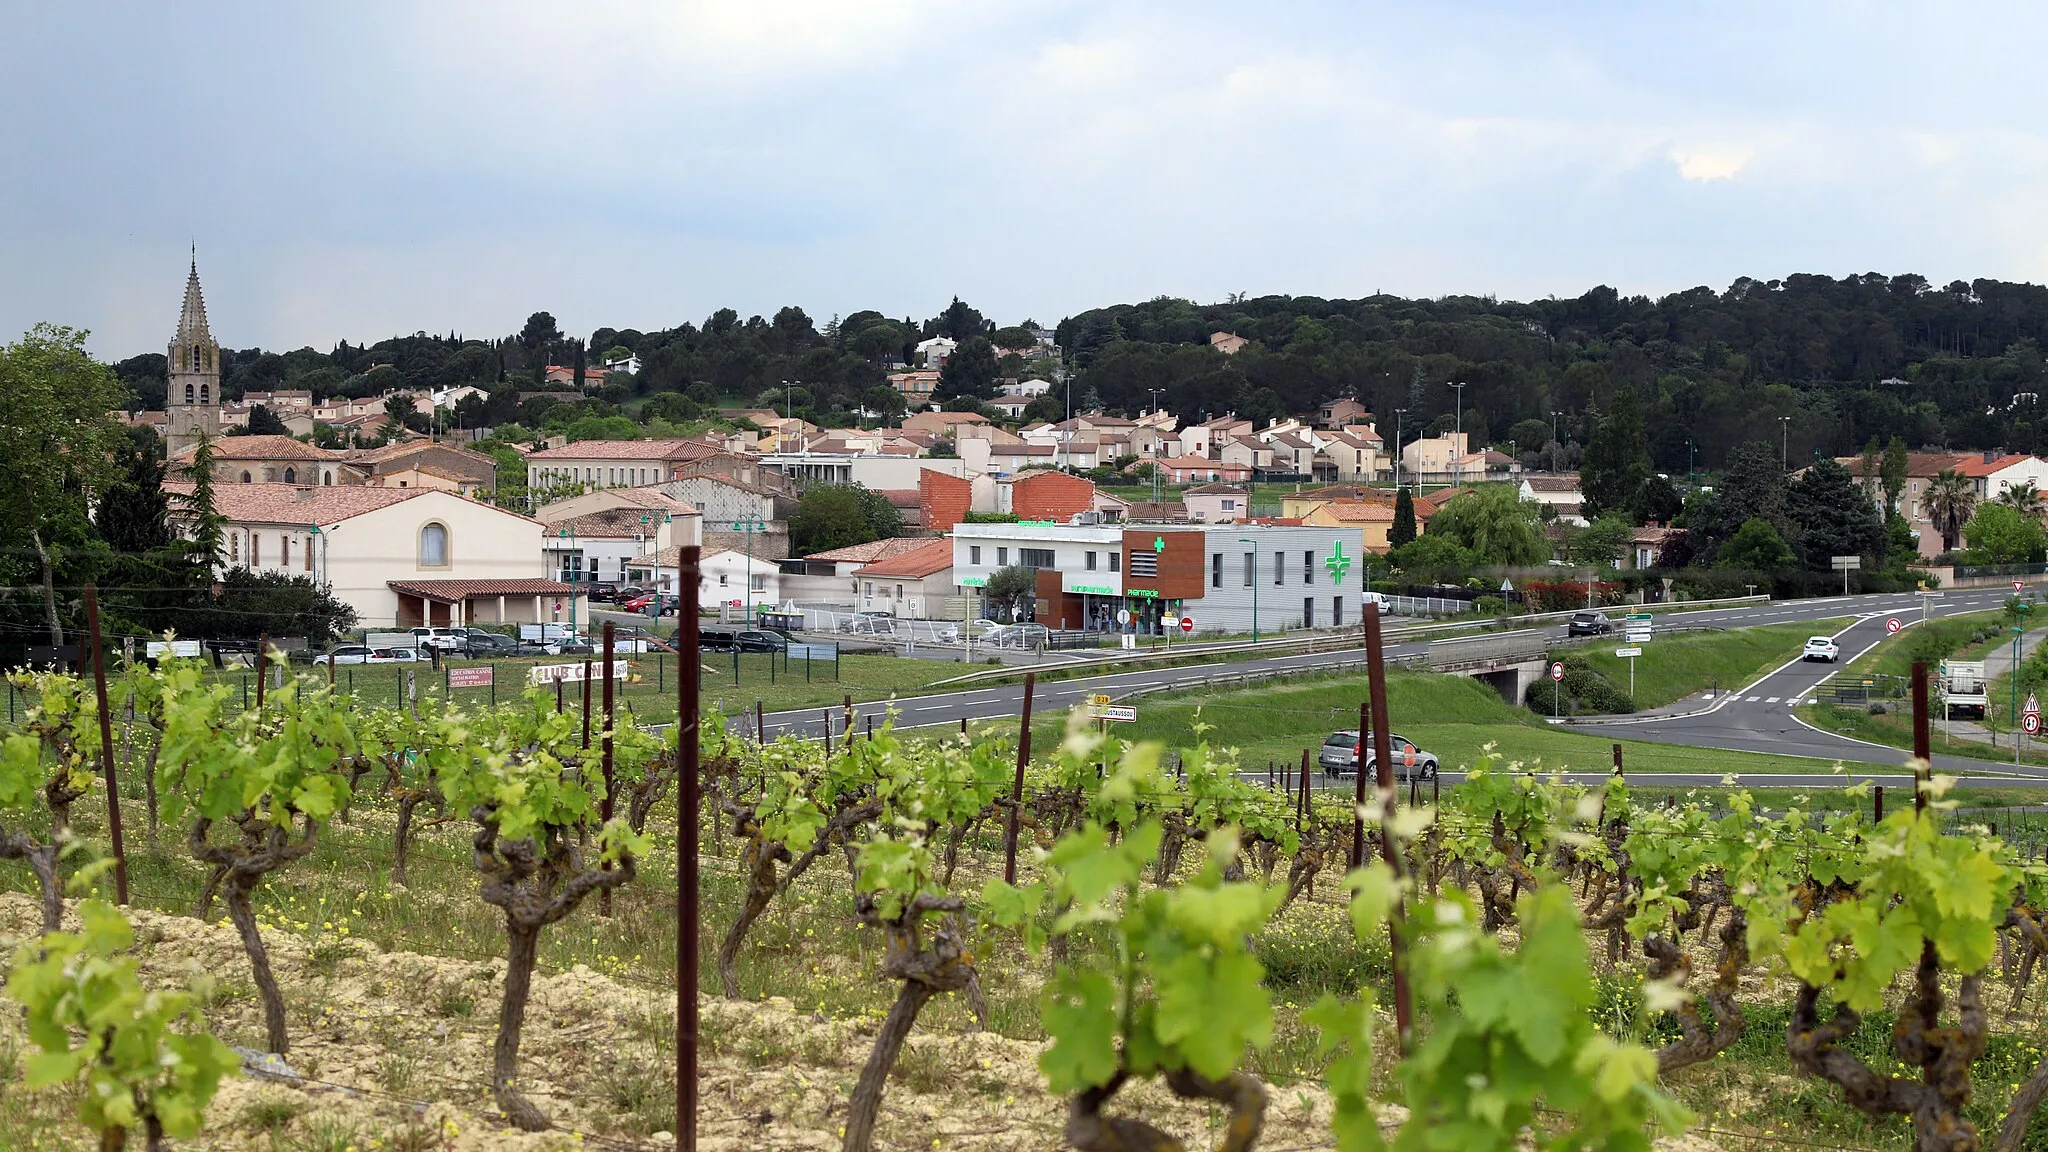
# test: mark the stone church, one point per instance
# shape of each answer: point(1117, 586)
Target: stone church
point(192, 400)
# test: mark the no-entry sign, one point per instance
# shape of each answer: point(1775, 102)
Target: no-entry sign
point(1557, 671)
point(1891, 626)
point(1187, 623)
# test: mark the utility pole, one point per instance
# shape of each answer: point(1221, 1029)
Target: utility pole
point(1785, 444)
point(1554, 414)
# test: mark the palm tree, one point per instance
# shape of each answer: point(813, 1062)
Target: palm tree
point(2027, 499)
point(1951, 500)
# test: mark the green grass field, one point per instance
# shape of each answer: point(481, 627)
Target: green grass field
point(1454, 717)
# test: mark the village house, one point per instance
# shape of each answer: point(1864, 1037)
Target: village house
point(1217, 503)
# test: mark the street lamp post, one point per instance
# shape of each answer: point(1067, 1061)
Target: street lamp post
point(1785, 445)
point(1690, 478)
point(1253, 557)
point(1458, 425)
point(569, 534)
point(749, 524)
point(1398, 413)
point(1554, 414)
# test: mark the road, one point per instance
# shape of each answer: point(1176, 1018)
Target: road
point(1758, 719)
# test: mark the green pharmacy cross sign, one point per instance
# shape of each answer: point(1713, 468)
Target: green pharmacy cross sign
point(1338, 563)
point(1159, 543)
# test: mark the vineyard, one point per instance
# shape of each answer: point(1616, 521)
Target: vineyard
point(306, 923)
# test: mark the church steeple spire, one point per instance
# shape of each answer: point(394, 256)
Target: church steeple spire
point(192, 318)
point(192, 398)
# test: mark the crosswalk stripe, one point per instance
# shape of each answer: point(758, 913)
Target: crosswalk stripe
point(1772, 700)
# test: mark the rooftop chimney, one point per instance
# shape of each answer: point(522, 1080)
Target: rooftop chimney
point(1990, 455)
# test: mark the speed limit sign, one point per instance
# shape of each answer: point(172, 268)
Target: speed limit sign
point(1557, 671)
point(1891, 626)
point(2032, 723)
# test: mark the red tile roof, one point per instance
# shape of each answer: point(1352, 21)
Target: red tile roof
point(453, 590)
point(929, 557)
point(294, 504)
point(266, 448)
point(871, 551)
point(1977, 466)
point(676, 449)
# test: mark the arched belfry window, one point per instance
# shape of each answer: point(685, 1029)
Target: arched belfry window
point(204, 389)
point(188, 393)
point(434, 546)
point(291, 475)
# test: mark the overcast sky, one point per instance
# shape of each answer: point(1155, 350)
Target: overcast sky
point(354, 171)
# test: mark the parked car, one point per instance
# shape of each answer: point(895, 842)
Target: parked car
point(345, 654)
point(869, 621)
point(601, 592)
point(651, 604)
point(1589, 624)
point(478, 643)
point(1821, 648)
point(1343, 751)
point(755, 640)
point(446, 639)
point(717, 640)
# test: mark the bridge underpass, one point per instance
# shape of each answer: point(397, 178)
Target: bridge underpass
point(1508, 664)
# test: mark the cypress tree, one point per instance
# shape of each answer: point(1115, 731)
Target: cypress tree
point(1403, 531)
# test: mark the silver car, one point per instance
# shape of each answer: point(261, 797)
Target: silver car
point(1342, 750)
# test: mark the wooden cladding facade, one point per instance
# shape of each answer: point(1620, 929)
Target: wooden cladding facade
point(1182, 566)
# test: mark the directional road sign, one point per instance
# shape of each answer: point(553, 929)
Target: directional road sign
point(1628, 653)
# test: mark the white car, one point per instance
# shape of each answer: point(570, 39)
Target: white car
point(1821, 648)
point(446, 639)
point(357, 654)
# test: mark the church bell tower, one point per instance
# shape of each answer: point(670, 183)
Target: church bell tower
point(192, 401)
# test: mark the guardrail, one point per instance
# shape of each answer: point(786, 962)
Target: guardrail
point(1322, 642)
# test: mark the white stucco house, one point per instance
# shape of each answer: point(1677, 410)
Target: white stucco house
point(401, 557)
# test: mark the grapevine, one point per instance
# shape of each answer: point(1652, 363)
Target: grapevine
point(56, 726)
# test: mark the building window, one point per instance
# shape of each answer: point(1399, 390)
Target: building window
point(284, 549)
point(871, 588)
point(1216, 570)
point(291, 475)
point(188, 400)
point(1230, 505)
point(255, 550)
point(974, 554)
point(204, 389)
point(1251, 565)
point(758, 582)
point(434, 547)
point(245, 477)
point(899, 591)
point(1279, 569)
point(1091, 562)
point(1035, 557)
point(1115, 561)
point(722, 581)
point(1308, 567)
point(1308, 612)
point(1002, 557)
point(327, 478)
point(234, 548)
point(1336, 611)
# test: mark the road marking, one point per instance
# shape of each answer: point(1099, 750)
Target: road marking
point(1772, 700)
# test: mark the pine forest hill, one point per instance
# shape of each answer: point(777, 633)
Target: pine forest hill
point(1848, 360)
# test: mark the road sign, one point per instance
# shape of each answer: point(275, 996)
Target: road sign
point(1628, 653)
point(2031, 723)
point(1098, 701)
point(2018, 584)
point(1557, 671)
point(1845, 563)
point(2033, 704)
point(1123, 615)
point(1170, 622)
point(1892, 626)
point(1121, 714)
point(1187, 623)
point(473, 677)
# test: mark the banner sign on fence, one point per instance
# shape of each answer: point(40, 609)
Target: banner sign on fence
point(475, 676)
point(544, 674)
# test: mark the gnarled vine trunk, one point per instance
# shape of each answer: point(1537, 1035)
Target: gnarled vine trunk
point(1089, 1130)
point(926, 971)
point(534, 885)
point(42, 860)
point(1935, 1102)
point(263, 848)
